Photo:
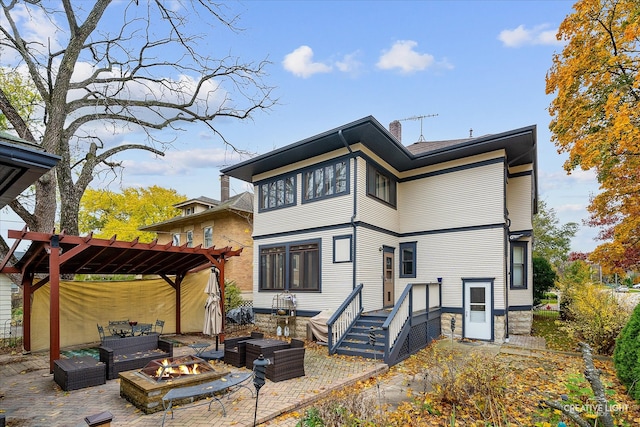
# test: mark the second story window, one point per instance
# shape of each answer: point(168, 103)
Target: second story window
point(207, 241)
point(190, 238)
point(381, 186)
point(325, 181)
point(278, 193)
point(176, 239)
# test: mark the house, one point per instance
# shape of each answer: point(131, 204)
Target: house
point(219, 223)
point(21, 164)
point(353, 208)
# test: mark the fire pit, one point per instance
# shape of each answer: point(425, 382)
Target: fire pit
point(144, 388)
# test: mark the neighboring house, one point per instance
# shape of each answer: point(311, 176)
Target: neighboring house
point(21, 164)
point(353, 206)
point(220, 223)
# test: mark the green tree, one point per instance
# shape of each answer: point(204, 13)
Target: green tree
point(596, 118)
point(626, 356)
point(105, 213)
point(544, 278)
point(21, 94)
point(114, 68)
point(552, 240)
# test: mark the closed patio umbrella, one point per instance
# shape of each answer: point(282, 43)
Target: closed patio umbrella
point(212, 308)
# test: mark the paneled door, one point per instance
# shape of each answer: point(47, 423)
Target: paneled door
point(388, 281)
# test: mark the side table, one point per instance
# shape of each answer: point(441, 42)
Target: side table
point(79, 372)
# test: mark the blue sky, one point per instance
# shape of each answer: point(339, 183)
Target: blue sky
point(474, 64)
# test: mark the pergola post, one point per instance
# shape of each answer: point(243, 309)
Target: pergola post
point(224, 315)
point(54, 304)
point(27, 281)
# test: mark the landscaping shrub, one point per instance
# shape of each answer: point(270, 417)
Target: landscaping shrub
point(345, 410)
point(469, 379)
point(626, 356)
point(596, 317)
point(232, 295)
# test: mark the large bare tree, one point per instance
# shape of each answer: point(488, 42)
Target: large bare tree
point(108, 68)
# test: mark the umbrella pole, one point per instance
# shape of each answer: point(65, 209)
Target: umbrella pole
point(216, 343)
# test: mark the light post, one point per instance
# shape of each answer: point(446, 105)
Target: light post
point(453, 326)
point(259, 373)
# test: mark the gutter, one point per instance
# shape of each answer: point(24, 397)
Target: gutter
point(355, 209)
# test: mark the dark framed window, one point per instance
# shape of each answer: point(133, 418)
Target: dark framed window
point(190, 238)
point(272, 272)
point(342, 248)
point(519, 265)
point(304, 261)
point(277, 193)
point(381, 185)
point(408, 259)
point(292, 266)
point(326, 180)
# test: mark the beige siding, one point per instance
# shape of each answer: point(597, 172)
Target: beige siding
point(5, 303)
point(336, 280)
point(519, 200)
point(463, 198)
point(523, 296)
point(321, 213)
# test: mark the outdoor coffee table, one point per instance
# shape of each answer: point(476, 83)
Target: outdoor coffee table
point(79, 372)
point(266, 347)
point(199, 347)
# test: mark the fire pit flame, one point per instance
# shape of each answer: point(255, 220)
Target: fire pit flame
point(178, 367)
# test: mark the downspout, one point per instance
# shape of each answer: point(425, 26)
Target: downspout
point(355, 207)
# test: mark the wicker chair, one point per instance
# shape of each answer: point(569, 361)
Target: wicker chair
point(288, 363)
point(235, 349)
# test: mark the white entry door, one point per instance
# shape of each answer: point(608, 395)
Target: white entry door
point(477, 310)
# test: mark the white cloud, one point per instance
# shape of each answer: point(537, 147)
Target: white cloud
point(182, 162)
point(349, 63)
point(300, 63)
point(403, 56)
point(521, 36)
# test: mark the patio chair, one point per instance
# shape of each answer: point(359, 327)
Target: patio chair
point(235, 349)
point(158, 327)
point(101, 332)
point(288, 363)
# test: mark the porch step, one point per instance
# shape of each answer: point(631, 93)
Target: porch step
point(357, 340)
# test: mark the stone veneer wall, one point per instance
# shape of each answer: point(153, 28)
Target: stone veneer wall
point(520, 322)
point(445, 325)
point(498, 328)
point(269, 324)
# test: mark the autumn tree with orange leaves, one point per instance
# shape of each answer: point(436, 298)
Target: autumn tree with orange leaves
point(596, 118)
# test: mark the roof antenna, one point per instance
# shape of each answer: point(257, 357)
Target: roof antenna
point(471, 133)
point(421, 139)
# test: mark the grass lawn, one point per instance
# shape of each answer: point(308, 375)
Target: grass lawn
point(548, 326)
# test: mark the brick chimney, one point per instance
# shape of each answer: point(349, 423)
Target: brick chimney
point(224, 188)
point(396, 130)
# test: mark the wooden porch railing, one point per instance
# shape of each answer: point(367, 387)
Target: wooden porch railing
point(344, 317)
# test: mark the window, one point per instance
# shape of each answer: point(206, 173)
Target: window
point(325, 181)
point(519, 265)
point(208, 237)
point(272, 268)
point(190, 238)
point(342, 248)
point(291, 267)
point(278, 193)
point(176, 239)
point(408, 259)
point(381, 186)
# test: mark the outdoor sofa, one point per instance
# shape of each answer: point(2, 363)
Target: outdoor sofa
point(128, 353)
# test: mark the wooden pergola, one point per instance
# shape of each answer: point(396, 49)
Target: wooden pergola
point(52, 255)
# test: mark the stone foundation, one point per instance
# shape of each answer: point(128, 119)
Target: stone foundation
point(269, 325)
point(445, 325)
point(520, 322)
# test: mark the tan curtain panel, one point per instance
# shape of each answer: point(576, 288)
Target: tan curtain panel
point(85, 304)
